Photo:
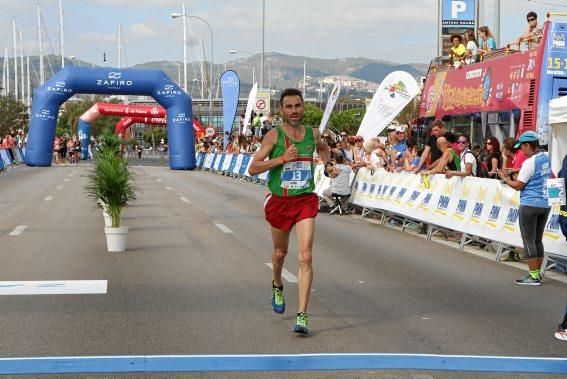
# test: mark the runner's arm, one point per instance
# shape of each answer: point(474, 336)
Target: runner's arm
point(259, 164)
point(322, 147)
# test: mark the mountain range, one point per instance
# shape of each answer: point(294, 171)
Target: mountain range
point(280, 70)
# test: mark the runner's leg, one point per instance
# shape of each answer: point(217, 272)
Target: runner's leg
point(280, 239)
point(305, 230)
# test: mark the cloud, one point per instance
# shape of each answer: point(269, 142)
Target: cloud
point(138, 31)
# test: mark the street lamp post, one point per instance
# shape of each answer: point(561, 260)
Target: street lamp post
point(263, 35)
point(175, 15)
point(249, 53)
point(184, 15)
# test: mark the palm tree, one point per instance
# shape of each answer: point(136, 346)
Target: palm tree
point(70, 113)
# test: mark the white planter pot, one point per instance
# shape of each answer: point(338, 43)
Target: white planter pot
point(116, 238)
point(107, 219)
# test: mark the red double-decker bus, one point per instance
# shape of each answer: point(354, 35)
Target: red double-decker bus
point(505, 94)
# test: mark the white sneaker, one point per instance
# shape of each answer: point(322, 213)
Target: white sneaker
point(561, 334)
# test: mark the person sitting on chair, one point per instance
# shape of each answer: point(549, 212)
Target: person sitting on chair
point(340, 180)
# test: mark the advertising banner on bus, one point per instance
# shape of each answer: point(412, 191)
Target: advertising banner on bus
point(484, 86)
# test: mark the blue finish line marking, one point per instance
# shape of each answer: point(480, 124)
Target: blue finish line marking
point(284, 362)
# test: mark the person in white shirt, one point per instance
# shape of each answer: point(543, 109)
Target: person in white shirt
point(340, 180)
point(472, 47)
point(468, 159)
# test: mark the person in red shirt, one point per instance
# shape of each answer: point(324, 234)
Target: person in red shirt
point(512, 158)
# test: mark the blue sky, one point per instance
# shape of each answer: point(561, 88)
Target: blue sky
point(398, 31)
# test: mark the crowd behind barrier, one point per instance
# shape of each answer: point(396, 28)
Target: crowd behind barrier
point(11, 157)
point(471, 208)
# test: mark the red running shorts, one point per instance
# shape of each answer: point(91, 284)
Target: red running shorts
point(283, 212)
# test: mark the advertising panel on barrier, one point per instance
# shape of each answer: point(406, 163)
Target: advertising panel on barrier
point(226, 162)
point(220, 162)
point(5, 157)
point(481, 207)
point(245, 162)
point(208, 161)
point(232, 166)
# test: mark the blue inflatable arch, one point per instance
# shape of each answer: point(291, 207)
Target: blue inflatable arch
point(78, 80)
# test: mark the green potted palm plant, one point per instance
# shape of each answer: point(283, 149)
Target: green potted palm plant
point(111, 183)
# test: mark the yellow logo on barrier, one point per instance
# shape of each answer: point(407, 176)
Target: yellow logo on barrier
point(482, 194)
point(466, 191)
point(552, 228)
point(515, 200)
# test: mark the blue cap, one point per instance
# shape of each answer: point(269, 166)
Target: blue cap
point(526, 137)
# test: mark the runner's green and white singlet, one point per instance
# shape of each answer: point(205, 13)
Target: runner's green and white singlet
point(293, 178)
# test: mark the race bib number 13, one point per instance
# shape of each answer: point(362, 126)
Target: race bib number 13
point(296, 175)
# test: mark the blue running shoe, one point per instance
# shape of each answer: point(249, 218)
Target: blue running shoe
point(301, 324)
point(529, 281)
point(278, 301)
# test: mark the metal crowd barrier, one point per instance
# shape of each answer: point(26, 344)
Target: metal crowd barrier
point(396, 193)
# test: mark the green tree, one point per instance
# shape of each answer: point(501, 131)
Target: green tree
point(104, 122)
point(13, 115)
point(348, 120)
point(153, 134)
point(410, 111)
point(312, 116)
point(69, 114)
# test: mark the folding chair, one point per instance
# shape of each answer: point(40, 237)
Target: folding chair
point(341, 203)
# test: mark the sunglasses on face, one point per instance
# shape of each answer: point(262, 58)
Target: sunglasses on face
point(488, 143)
point(531, 19)
point(461, 142)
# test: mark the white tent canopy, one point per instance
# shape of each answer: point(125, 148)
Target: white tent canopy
point(557, 131)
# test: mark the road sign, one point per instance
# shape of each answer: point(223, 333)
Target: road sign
point(210, 131)
point(261, 104)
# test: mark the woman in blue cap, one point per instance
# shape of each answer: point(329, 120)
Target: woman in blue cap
point(534, 208)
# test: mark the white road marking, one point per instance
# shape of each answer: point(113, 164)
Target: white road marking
point(53, 287)
point(48, 198)
point(224, 228)
point(425, 318)
point(65, 180)
point(360, 281)
point(70, 174)
point(19, 230)
point(59, 187)
point(169, 188)
point(158, 180)
point(185, 200)
point(285, 274)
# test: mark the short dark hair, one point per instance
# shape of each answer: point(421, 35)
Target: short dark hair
point(466, 137)
point(533, 144)
point(531, 14)
point(291, 92)
point(410, 142)
point(456, 35)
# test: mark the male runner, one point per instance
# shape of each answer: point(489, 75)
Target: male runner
point(290, 149)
